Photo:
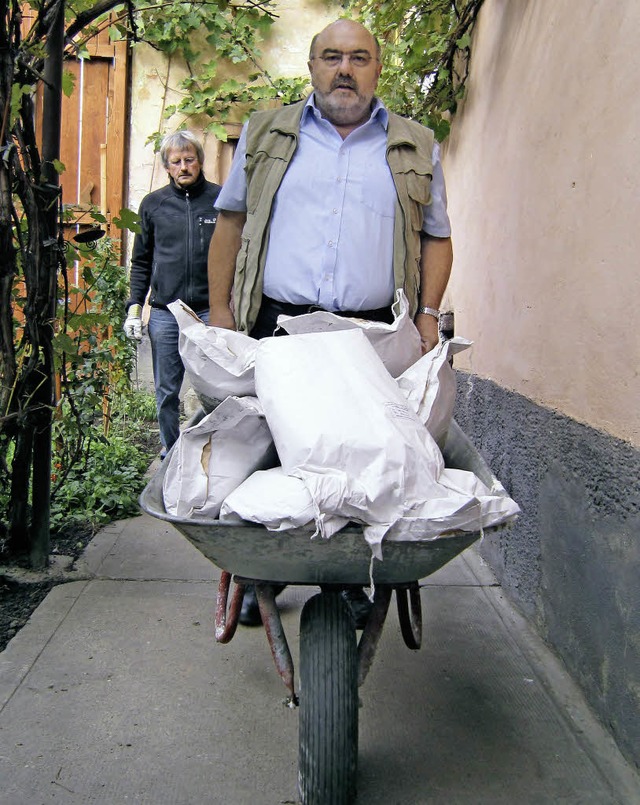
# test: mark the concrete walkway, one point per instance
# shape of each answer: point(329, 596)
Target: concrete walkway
point(116, 692)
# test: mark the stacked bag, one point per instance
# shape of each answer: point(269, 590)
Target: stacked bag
point(341, 421)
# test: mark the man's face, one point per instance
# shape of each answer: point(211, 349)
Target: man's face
point(183, 166)
point(344, 72)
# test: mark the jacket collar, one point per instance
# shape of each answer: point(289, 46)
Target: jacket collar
point(193, 191)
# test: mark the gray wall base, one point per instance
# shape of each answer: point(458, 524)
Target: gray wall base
point(571, 562)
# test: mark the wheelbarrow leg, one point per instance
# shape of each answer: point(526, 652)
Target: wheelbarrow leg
point(372, 630)
point(226, 623)
point(277, 639)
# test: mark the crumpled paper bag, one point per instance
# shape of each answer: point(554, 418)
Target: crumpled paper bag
point(213, 457)
point(341, 424)
point(397, 344)
point(429, 387)
point(278, 501)
point(218, 362)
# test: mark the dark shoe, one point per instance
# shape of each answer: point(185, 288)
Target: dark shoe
point(359, 605)
point(250, 611)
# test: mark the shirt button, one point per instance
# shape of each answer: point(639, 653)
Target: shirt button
point(330, 243)
point(335, 212)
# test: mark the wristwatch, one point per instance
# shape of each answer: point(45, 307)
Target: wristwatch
point(430, 311)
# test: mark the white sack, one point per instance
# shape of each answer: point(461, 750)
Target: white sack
point(218, 362)
point(479, 507)
point(429, 387)
point(342, 425)
point(212, 458)
point(278, 501)
point(397, 344)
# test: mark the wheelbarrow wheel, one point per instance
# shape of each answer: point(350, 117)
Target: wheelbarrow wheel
point(328, 716)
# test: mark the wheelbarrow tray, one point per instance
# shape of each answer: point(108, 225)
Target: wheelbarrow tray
point(250, 550)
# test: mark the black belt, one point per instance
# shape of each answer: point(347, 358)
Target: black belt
point(383, 314)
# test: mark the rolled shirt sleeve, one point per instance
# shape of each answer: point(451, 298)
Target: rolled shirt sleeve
point(435, 220)
point(233, 196)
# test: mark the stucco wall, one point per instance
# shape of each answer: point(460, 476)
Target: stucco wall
point(543, 173)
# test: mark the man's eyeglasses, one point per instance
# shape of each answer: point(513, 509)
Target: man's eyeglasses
point(335, 57)
point(177, 162)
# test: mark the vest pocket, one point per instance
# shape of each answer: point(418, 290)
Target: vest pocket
point(419, 190)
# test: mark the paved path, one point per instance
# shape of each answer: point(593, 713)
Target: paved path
point(116, 692)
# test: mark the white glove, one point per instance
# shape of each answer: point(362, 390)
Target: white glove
point(133, 324)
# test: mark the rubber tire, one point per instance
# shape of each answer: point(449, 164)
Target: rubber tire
point(328, 715)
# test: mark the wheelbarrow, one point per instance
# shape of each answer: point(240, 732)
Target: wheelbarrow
point(333, 661)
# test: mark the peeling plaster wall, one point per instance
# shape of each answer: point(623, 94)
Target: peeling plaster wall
point(543, 170)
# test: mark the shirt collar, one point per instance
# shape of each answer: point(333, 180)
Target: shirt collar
point(379, 112)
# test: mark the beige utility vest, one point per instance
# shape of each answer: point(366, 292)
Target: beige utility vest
point(272, 138)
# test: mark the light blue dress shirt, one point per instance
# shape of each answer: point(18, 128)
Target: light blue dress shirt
point(331, 240)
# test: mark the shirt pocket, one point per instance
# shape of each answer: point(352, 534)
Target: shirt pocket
point(377, 190)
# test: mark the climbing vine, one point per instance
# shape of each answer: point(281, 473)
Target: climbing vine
point(209, 37)
point(426, 51)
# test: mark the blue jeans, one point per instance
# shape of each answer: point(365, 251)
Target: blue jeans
point(168, 371)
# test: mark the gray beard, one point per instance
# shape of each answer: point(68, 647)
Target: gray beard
point(343, 114)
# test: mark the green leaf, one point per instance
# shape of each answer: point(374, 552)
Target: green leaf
point(128, 219)
point(68, 83)
point(64, 343)
point(218, 130)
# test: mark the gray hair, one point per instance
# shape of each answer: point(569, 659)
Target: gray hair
point(179, 141)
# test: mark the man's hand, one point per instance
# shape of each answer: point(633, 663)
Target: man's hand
point(222, 317)
point(133, 323)
point(428, 328)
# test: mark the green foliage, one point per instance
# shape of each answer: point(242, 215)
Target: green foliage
point(209, 37)
point(93, 357)
point(426, 47)
point(105, 484)
point(101, 425)
point(97, 468)
point(68, 83)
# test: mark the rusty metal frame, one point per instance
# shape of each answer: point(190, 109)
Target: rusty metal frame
point(227, 615)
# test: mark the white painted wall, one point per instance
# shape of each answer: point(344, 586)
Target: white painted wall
point(155, 80)
point(543, 176)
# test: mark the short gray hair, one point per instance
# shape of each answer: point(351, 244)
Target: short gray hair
point(178, 141)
